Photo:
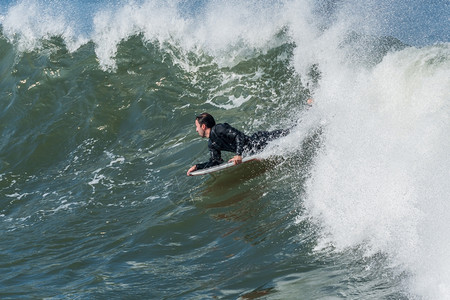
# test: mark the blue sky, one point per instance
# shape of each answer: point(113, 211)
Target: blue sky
point(419, 22)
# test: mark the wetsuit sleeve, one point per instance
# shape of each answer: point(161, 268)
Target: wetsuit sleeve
point(214, 160)
point(239, 143)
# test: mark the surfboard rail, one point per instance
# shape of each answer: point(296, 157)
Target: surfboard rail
point(222, 166)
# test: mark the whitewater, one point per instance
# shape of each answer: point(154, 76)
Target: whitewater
point(97, 104)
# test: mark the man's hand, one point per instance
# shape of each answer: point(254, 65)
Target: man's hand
point(192, 169)
point(236, 159)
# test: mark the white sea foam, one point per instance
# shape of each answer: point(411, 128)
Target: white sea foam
point(225, 30)
point(30, 22)
point(381, 178)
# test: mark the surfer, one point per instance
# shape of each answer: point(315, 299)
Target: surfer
point(224, 137)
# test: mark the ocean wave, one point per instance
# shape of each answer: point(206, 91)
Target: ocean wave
point(97, 108)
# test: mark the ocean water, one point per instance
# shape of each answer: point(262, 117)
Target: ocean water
point(97, 108)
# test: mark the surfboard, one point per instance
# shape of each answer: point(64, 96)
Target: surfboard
point(222, 166)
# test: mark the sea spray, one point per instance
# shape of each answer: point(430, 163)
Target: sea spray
point(383, 169)
point(30, 22)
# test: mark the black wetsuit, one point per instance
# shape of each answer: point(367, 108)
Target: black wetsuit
point(223, 137)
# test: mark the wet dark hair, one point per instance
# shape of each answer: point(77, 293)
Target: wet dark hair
point(206, 119)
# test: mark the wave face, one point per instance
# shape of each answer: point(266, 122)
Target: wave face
point(97, 102)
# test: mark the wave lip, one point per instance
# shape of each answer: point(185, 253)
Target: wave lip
point(29, 22)
point(215, 28)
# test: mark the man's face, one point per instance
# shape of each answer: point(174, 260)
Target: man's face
point(200, 129)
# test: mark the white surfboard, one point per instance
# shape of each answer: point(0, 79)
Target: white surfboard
point(222, 166)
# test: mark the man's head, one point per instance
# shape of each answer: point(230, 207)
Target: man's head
point(203, 123)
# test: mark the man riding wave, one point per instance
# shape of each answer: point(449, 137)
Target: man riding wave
point(224, 137)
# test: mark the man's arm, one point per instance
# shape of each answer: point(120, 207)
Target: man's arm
point(214, 160)
point(192, 169)
point(239, 138)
